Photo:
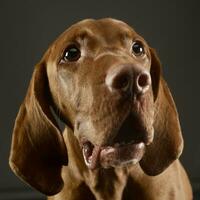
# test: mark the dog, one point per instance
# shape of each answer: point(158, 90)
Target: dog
point(122, 136)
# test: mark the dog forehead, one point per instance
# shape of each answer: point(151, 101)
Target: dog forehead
point(106, 24)
point(95, 33)
point(106, 28)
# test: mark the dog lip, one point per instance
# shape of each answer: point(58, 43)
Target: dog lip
point(90, 154)
point(118, 154)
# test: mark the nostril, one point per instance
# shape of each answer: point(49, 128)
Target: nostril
point(143, 82)
point(120, 79)
point(121, 82)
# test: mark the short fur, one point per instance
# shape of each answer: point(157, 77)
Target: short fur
point(52, 161)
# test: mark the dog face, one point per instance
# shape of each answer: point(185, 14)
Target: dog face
point(105, 82)
point(101, 78)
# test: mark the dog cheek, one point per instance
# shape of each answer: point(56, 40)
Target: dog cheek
point(65, 80)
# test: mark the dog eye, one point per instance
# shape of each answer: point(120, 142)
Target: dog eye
point(138, 49)
point(72, 53)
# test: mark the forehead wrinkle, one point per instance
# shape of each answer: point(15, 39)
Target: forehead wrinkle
point(82, 34)
point(115, 33)
point(99, 29)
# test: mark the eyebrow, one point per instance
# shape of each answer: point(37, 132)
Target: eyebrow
point(82, 34)
point(127, 35)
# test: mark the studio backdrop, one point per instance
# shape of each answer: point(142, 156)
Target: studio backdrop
point(28, 27)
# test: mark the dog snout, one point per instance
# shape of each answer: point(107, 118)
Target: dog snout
point(126, 78)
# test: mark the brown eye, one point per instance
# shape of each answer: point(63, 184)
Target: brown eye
point(72, 53)
point(138, 49)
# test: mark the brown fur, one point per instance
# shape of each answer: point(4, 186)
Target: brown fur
point(53, 162)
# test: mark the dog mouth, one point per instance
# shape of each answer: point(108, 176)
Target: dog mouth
point(127, 146)
point(118, 154)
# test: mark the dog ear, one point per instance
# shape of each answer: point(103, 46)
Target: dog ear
point(38, 150)
point(155, 72)
point(168, 142)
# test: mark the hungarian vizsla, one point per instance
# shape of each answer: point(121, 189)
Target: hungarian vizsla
point(122, 138)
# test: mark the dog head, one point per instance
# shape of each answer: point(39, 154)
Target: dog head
point(106, 84)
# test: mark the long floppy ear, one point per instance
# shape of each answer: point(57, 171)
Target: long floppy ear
point(38, 150)
point(168, 142)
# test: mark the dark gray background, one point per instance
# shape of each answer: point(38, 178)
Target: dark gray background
point(28, 27)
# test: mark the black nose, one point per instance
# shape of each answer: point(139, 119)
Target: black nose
point(127, 78)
